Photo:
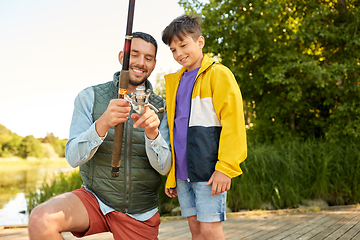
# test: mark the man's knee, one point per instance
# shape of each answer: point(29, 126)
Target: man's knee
point(47, 216)
point(38, 218)
point(62, 213)
point(39, 223)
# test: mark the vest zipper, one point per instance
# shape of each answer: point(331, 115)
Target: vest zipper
point(127, 157)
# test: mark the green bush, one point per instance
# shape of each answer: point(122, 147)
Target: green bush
point(31, 147)
point(12, 146)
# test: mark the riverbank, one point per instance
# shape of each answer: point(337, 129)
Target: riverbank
point(19, 177)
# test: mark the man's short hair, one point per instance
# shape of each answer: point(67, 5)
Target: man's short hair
point(146, 37)
point(182, 26)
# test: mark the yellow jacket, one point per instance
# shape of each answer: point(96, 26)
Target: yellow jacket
point(216, 136)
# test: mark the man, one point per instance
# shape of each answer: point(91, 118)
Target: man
point(126, 205)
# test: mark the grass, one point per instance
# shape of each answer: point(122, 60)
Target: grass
point(65, 182)
point(285, 173)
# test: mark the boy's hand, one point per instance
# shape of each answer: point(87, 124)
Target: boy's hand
point(220, 183)
point(171, 192)
point(149, 121)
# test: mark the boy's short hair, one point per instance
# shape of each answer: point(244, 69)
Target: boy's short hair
point(147, 38)
point(182, 26)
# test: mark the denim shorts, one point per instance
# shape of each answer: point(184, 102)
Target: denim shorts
point(195, 199)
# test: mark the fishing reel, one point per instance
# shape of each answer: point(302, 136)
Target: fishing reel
point(140, 99)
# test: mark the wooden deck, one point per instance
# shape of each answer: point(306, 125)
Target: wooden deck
point(331, 223)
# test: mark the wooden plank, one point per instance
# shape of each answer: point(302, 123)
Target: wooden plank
point(248, 225)
point(271, 226)
point(102, 236)
point(259, 227)
point(242, 227)
point(357, 237)
point(173, 229)
point(334, 223)
point(326, 228)
point(232, 226)
point(235, 228)
point(310, 219)
point(353, 231)
point(333, 229)
point(345, 227)
point(302, 233)
point(283, 231)
point(14, 233)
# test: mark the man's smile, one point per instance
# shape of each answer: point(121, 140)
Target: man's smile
point(138, 71)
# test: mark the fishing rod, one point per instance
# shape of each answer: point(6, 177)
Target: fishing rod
point(123, 86)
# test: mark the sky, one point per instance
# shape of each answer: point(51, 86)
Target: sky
point(51, 50)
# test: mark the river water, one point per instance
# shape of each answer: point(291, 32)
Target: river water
point(14, 187)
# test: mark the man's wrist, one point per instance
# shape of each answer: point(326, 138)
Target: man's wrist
point(101, 128)
point(152, 135)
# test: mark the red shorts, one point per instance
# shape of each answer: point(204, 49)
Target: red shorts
point(119, 224)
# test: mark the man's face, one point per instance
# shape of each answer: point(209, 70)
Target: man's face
point(142, 61)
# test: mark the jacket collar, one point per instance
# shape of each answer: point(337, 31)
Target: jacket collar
point(205, 64)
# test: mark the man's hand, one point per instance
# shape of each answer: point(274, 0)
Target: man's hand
point(220, 183)
point(116, 112)
point(149, 121)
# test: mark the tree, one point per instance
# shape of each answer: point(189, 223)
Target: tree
point(159, 88)
point(30, 146)
point(5, 135)
point(297, 62)
point(56, 143)
point(9, 142)
point(11, 147)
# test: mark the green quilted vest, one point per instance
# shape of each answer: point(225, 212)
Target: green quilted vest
point(135, 190)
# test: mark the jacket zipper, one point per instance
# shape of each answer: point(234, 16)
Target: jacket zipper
point(187, 131)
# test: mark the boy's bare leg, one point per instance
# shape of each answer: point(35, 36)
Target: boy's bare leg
point(195, 230)
point(212, 231)
point(63, 213)
point(205, 231)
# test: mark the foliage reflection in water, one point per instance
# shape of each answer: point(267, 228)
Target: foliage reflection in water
point(14, 186)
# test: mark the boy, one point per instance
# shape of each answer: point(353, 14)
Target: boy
point(207, 130)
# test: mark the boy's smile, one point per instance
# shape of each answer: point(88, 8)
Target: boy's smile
point(187, 52)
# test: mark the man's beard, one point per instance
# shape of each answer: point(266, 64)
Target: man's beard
point(135, 83)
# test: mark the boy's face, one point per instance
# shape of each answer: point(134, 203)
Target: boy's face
point(142, 61)
point(188, 52)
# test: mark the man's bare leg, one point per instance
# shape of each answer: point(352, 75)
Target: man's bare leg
point(63, 213)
